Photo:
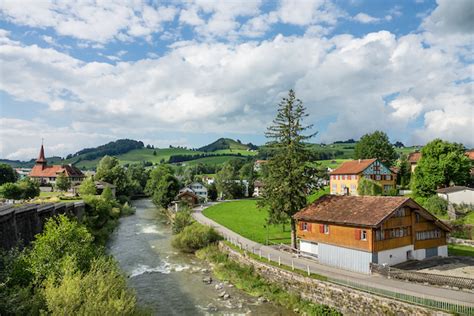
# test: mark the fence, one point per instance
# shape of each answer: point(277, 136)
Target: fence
point(421, 277)
point(448, 306)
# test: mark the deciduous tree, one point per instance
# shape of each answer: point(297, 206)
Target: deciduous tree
point(441, 164)
point(375, 145)
point(62, 182)
point(7, 174)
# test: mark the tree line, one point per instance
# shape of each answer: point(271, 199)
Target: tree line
point(183, 158)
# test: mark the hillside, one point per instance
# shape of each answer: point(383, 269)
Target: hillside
point(227, 144)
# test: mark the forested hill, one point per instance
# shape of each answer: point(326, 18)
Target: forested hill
point(117, 147)
point(227, 143)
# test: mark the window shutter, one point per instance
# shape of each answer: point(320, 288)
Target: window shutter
point(309, 227)
point(301, 225)
point(321, 229)
point(357, 234)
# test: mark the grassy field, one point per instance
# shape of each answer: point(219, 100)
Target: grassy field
point(332, 163)
point(469, 218)
point(243, 152)
point(244, 218)
point(210, 160)
point(316, 195)
point(460, 250)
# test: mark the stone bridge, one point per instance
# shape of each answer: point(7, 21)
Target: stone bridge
point(20, 224)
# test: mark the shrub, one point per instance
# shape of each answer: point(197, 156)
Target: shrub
point(127, 209)
point(436, 205)
point(102, 290)
point(182, 219)
point(87, 187)
point(61, 237)
point(195, 237)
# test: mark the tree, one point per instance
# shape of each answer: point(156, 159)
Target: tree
point(227, 183)
point(107, 194)
point(375, 145)
point(7, 174)
point(399, 144)
point(87, 187)
point(62, 182)
point(441, 164)
point(29, 188)
point(61, 237)
point(289, 177)
point(404, 171)
point(369, 187)
point(110, 170)
point(212, 192)
point(162, 186)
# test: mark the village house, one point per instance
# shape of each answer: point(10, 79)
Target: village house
point(413, 159)
point(99, 187)
point(199, 189)
point(350, 232)
point(345, 179)
point(457, 194)
point(258, 165)
point(187, 197)
point(257, 188)
point(45, 174)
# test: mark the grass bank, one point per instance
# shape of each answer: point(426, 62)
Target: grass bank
point(460, 250)
point(246, 279)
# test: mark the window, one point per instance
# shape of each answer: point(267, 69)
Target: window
point(326, 229)
point(388, 177)
point(367, 176)
point(353, 187)
point(429, 234)
point(400, 212)
point(379, 234)
point(353, 177)
point(334, 188)
point(363, 235)
point(304, 226)
point(417, 217)
point(378, 177)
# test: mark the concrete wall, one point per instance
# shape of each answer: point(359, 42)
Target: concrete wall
point(394, 256)
point(345, 258)
point(19, 225)
point(465, 196)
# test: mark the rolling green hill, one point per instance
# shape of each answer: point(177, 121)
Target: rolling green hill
point(227, 144)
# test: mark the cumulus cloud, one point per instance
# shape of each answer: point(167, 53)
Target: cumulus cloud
point(90, 20)
point(365, 18)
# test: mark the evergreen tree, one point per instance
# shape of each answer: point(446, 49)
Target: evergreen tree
point(442, 164)
point(288, 178)
point(62, 182)
point(375, 145)
point(404, 172)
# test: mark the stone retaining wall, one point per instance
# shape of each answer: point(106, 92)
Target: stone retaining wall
point(20, 224)
point(458, 241)
point(348, 301)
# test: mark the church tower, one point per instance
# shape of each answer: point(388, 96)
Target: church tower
point(41, 161)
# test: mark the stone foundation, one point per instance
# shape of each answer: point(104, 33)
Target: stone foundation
point(348, 301)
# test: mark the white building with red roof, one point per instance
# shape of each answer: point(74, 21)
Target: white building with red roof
point(45, 174)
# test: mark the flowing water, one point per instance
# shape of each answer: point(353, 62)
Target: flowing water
point(169, 282)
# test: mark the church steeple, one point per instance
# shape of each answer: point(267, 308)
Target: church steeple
point(41, 159)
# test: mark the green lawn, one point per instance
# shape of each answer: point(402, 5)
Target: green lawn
point(49, 194)
point(469, 218)
point(243, 152)
point(210, 160)
point(460, 250)
point(244, 218)
point(316, 195)
point(331, 163)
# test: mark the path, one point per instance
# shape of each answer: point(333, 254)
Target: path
point(375, 281)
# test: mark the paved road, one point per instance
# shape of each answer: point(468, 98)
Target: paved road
point(376, 281)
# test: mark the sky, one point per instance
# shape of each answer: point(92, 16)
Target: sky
point(82, 73)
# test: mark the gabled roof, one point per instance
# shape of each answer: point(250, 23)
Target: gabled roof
point(54, 171)
point(414, 157)
point(190, 193)
point(354, 166)
point(453, 189)
point(359, 211)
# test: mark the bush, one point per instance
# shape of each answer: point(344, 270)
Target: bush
point(369, 187)
point(436, 205)
point(195, 237)
point(127, 209)
point(182, 219)
point(102, 290)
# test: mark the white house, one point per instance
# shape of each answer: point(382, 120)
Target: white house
point(199, 189)
point(457, 194)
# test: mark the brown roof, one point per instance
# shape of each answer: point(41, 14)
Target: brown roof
point(359, 211)
point(454, 188)
point(351, 210)
point(414, 157)
point(353, 166)
point(53, 171)
point(41, 157)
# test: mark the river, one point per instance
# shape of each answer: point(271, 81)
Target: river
point(169, 282)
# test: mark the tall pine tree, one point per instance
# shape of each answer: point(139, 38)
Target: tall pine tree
point(289, 178)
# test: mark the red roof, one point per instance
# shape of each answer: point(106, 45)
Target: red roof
point(414, 157)
point(53, 171)
point(353, 166)
point(470, 154)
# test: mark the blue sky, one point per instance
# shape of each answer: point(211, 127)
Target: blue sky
point(188, 72)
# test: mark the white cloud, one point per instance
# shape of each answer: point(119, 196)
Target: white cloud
point(406, 108)
point(90, 20)
point(365, 18)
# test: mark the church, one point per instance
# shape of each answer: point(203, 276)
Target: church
point(45, 174)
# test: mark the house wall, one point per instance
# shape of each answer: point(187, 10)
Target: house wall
point(338, 235)
point(337, 182)
point(395, 255)
point(465, 196)
point(309, 247)
point(425, 225)
point(345, 258)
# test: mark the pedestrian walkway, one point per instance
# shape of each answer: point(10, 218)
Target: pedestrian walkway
point(339, 275)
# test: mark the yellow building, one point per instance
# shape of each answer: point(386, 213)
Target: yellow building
point(345, 179)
